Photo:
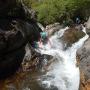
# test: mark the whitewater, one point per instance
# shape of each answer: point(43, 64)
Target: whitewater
point(62, 73)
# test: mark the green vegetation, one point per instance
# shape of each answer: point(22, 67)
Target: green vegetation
point(50, 11)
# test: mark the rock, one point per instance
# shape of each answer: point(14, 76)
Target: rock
point(18, 27)
point(17, 10)
point(51, 29)
point(28, 53)
point(71, 36)
point(30, 30)
point(88, 23)
point(84, 85)
point(79, 27)
point(84, 65)
point(12, 45)
point(34, 60)
point(12, 53)
point(88, 26)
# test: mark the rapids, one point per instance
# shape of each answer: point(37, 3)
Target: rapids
point(59, 73)
point(62, 73)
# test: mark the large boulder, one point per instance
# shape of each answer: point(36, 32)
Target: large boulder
point(17, 28)
point(13, 42)
point(72, 35)
point(84, 65)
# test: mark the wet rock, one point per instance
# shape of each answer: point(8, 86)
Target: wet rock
point(71, 36)
point(84, 65)
point(34, 60)
point(51, 29)
point(36, 63)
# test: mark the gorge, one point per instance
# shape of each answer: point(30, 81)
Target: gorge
point(61, 64)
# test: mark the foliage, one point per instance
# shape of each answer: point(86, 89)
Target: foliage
point(50, 11)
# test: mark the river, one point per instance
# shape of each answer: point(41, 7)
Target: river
point(63, 72)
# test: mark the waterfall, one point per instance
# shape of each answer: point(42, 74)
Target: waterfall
point(62, 74)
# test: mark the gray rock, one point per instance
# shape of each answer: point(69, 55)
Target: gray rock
point(84, 53)
point(51, 29)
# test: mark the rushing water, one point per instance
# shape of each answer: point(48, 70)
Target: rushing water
point(62, 73)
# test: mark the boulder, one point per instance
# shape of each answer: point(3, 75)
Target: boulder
point(84, 65)
point(72, 35)
point(18, 27)
point(13, 42)
point(11, 52)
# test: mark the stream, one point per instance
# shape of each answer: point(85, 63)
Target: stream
point(62, 74)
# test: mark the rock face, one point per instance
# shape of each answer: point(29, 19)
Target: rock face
point(16, 30)
point(84, 64)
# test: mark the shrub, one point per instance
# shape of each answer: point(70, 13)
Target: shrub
point(50, 11)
